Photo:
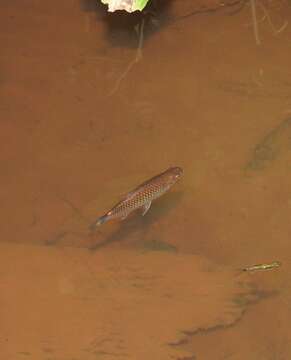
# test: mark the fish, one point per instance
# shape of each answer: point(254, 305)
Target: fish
point(262, 267)
point(142, 196)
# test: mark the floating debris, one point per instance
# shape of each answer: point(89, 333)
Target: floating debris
point(263, 267)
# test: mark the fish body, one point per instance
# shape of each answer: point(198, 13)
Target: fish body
point(262, 267)
point(143, 195)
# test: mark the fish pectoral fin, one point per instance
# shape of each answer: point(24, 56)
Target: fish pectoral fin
point(146, 207)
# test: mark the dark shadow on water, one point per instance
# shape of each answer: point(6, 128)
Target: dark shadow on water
point(121, 25)
point(157, 15)
point(140, 224)
point(275, 144)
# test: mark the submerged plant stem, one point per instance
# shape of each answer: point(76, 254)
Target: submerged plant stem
point(138, 56)
point(255, 23)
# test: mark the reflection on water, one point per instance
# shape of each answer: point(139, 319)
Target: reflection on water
point(204, 97)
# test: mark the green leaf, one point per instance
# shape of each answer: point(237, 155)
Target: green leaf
point(129, 5)
point(139, 4)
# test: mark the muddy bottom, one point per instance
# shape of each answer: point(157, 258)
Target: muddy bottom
point(114, 303)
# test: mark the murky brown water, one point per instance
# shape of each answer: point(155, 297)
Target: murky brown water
point(82, 123)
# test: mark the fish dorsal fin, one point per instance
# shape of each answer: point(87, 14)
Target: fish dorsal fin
point(133, 192)
point(129, 195)
point(137, 189)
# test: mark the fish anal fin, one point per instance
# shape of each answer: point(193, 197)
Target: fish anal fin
point(124, 217)
point(146, 207)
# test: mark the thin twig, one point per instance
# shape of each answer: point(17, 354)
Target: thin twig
point(209, 10)
point(267, 15)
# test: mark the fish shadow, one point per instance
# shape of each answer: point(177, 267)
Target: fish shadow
point(140, 224)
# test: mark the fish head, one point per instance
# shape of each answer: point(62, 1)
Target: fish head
point(174, 174)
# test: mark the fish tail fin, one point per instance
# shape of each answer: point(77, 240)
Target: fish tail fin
point(101, 220)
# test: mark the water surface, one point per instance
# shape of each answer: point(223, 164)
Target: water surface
point(80, 126)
